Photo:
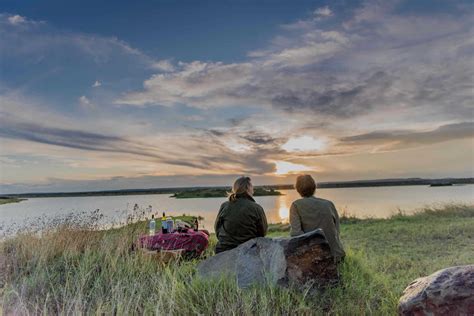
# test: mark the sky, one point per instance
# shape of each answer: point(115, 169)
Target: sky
point(148, 94)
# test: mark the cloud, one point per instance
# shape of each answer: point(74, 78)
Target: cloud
point(163, 65)
point(285, 167)
point(304, 144)
point(70, 138)
point(183, 152)
point(323, 12)
point(16, 19)
point(259, 138)
point(18, 22)
point(376, 61)
point(86, 103)
point(388, 80)
point(390, 140)
point(37, 43)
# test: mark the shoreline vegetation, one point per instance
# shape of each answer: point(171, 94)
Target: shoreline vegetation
point(7, 200)
point(321, 185)
point(218, 193)
point(73, 270)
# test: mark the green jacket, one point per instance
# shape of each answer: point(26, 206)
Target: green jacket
point(239, 221)
point(310, 213)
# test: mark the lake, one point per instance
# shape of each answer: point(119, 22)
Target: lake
point(361, 202)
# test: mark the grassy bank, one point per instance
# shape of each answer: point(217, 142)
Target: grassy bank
point(71, 270)
point(6, 200)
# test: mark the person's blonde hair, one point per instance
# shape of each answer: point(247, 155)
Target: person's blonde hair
point(305, 185)
point(241, 185)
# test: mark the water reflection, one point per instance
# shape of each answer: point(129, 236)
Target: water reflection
point(283, 206)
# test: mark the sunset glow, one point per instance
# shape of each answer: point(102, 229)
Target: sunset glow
point(284, 168)
point(359, 90)
point(304, 143)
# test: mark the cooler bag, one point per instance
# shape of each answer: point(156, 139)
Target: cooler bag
point(193, 243)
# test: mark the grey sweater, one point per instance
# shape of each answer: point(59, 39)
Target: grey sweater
point(310, 213)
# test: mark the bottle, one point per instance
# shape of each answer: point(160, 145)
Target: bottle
point(152, 225)
point(170, 224)
point(196, 225)
point(164, 226)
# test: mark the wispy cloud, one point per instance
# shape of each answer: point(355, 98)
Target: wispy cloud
point(85, 102)
point(163, 65)
point(390, 140)
point(322, 12)
point(16, 19)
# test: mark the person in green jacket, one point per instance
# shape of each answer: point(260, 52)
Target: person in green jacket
point(310, 213)
point(239, 219)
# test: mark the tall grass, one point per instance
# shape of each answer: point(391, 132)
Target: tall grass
point(71, 270)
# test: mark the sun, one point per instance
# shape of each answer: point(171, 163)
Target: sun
point(284, 167)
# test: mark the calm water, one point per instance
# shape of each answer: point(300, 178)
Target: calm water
point(361, 202)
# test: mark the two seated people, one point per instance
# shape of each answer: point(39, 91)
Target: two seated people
point(241, 218)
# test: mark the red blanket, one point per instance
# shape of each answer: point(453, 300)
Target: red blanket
point(192, 242)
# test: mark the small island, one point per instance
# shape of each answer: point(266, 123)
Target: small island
point(220, 192)
point(7, 199)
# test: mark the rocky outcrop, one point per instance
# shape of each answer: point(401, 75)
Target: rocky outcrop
point(446, 292)
point(281, 261)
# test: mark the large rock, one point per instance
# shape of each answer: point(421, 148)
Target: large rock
point(280, 261)
point(446, 292)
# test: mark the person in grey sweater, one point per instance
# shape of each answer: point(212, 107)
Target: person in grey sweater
point(310, 213)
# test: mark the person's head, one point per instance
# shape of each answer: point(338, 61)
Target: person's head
point(241, 185)
point(305, 185)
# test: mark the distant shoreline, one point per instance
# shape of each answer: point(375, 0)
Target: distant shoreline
point(8, 200)
point(219, 193)
point(321, 185)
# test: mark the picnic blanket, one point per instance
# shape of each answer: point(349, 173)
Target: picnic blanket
point(192, 242)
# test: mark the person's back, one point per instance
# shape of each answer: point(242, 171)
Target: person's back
point(310, 213)
point(239, 220)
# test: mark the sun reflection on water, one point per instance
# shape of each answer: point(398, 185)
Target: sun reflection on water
point(283, 208)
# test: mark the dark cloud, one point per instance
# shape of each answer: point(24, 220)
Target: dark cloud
point(409, 137)
point(89, 141)
point(346, 102)
point(216, 132)
point(215, 155)
point(259, 138)
point(236, 121)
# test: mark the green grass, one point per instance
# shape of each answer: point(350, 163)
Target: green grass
point(6, 200)
point(70, 270)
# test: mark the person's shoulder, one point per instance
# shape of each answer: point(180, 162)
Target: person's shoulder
point(324, 201)
point(253, 204)
point(299, 201)
point(225, 204)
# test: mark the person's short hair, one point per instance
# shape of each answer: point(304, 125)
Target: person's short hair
point(305, 185)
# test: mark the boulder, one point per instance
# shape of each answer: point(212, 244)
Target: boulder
point(446, 292)
point(280, 261)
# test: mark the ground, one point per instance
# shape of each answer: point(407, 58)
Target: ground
point(73, 270)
